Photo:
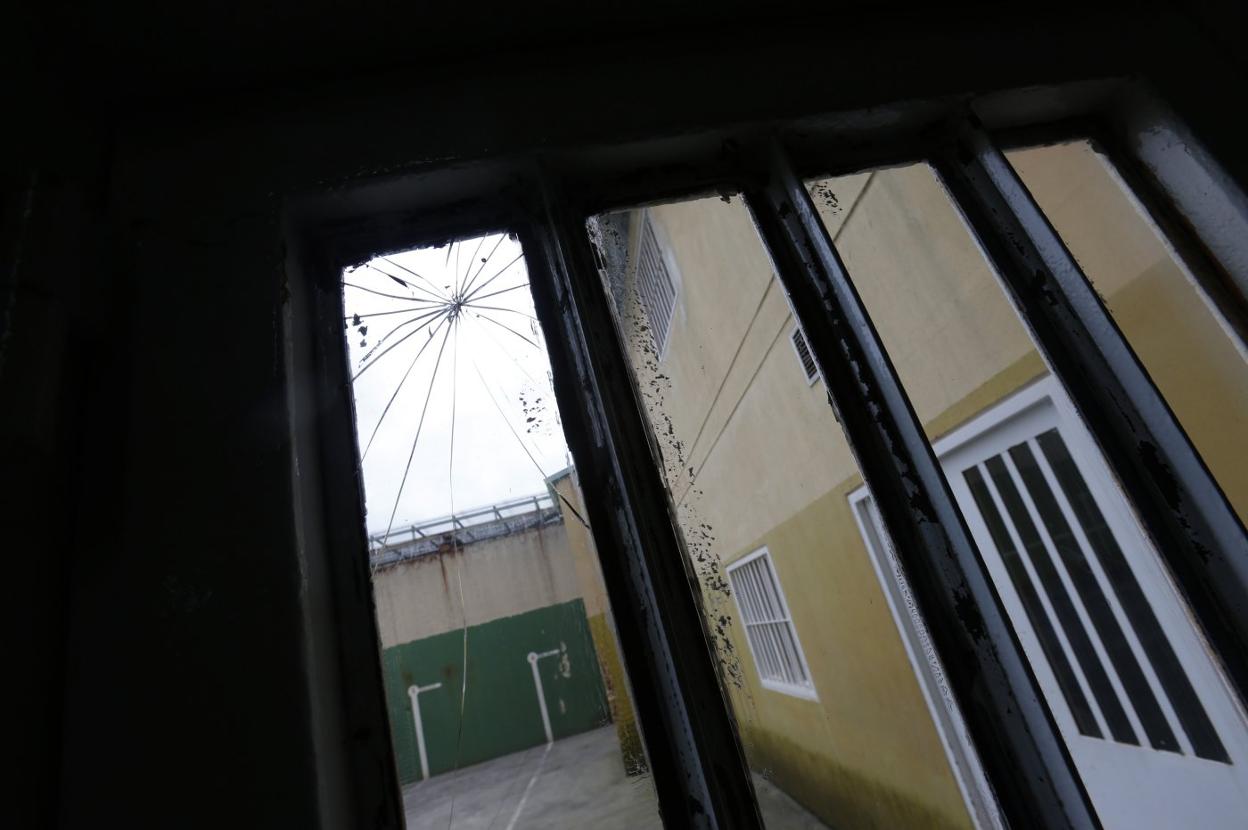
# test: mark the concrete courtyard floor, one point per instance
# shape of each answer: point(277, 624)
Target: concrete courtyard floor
point(578, 782)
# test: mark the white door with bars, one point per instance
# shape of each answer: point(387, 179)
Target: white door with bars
point(1151, 724)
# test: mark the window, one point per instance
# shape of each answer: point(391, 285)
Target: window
point(1066, 690)
point(495, 628)
point(655, 286)
point(809, 369)
point(1128, 679)
point(768, 626)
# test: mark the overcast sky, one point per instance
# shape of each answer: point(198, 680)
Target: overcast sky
point(483, 368)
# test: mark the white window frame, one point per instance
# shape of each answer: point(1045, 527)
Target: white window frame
point(950, 727)
point(923, 658)
point(794, 337)
point(806, 690)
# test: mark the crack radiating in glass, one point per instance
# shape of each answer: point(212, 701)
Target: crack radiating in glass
point(432, 316)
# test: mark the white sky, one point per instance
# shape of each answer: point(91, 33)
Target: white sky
point(489, 463)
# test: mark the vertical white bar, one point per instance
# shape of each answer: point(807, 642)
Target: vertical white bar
point(768, 589)
point(1060, 633)
point(759, 575)
point(541, 693)
point(757, 601)
point(1085, 618)
point(766, 650)
point(777, 651)
point(1094, 562)
point(413, 693)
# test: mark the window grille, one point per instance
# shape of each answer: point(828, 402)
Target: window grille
point(655, 286)
point(809, 369)
point(768, 625)
point(1036, 505)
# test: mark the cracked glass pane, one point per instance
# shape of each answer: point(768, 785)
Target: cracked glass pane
point(503, 677)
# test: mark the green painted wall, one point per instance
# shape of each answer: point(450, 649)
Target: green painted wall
point(501, 712)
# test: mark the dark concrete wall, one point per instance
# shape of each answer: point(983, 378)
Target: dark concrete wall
point(170, 639)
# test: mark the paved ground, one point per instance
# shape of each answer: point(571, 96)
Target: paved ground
point(578, 782)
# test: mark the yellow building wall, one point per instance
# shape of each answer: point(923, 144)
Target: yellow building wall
point(601, 626)
point(865, 754)
point(1180, 339)
point(754, 455)
point(771, 467)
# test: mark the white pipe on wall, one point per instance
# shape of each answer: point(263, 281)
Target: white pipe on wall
point(541, 695)
point(414, 693)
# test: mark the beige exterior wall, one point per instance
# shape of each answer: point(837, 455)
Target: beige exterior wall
point(499, 578)
point(1181, 341)
point(755, 457)
point(580, 543)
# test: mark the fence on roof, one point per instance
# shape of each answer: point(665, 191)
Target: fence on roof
point(464, 528)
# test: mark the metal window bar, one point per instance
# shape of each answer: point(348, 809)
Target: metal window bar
point(699, 771)
point(1195, 530)
point(1022, 753)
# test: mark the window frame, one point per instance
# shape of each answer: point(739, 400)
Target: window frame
point(807, 690)
point(1183, 509)
point(700, 775)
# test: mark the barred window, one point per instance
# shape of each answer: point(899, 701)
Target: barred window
point(768, 625)
point(655, 286)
